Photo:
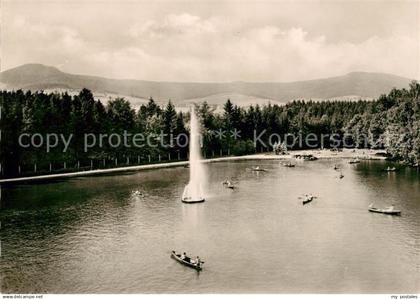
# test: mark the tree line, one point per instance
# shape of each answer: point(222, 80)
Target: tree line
point(391, 122)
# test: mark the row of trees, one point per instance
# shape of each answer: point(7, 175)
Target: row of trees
point(40, 114)
point(392, 122)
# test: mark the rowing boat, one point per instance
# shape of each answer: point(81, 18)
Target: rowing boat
point(257, 169)
point(187, 261)
point(388, 211)
point(289, 165)
point(307, 199)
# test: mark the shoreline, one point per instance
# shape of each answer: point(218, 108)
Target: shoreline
point(366, 154)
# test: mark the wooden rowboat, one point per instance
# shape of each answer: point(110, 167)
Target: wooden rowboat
point(258, 169)
point(187, 261)
point(389, 211)
point(385, 211)
point(289, 165)
point(307, 199)
point(228, 184)
point(354, 161)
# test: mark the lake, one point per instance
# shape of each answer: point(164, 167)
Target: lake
point(92, 235)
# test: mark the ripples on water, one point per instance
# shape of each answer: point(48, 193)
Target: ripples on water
point(92, 235)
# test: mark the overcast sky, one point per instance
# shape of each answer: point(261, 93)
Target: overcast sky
point(213, 40)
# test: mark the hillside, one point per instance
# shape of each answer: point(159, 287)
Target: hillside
point(354, 85)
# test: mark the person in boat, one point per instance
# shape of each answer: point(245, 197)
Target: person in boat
point(390, 208)
point(197, 261)
point(185, 257)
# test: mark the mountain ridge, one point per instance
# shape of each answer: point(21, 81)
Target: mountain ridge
point(363, 84)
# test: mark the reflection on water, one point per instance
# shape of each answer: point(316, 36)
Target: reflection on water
point(92, 235)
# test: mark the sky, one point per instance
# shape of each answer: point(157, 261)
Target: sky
point(213, 41)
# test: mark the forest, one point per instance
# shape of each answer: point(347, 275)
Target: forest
point(391, 122)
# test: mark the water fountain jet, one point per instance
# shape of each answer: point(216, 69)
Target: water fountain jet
point(194, 191)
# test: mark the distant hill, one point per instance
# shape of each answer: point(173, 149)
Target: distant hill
point(351, 86)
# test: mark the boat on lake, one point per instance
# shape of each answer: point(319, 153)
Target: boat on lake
point(257, 168)
point(228, 184)
point(187, 261)
point(289, 164)
point(389, 210)
point(307, 199)
point(354, 161)
point(136, 193)
point(308, 157)
point(390, 169)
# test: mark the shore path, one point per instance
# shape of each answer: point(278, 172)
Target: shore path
point(320, 154)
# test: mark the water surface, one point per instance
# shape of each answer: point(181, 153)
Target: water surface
point(91, 235)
